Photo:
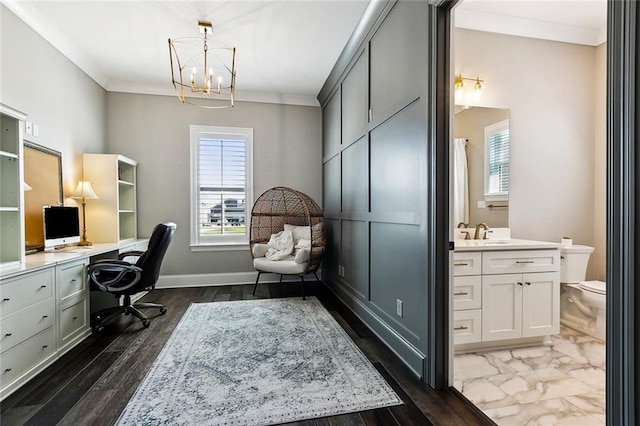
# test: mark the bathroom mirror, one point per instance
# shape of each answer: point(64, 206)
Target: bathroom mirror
point(43, 175)
point(472, 126)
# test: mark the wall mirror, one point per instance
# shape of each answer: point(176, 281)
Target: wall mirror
point(481, 148)
point(43, 175)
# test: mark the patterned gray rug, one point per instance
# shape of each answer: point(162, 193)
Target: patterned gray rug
point(256, 362)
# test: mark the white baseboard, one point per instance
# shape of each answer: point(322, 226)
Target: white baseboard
point(230, 278)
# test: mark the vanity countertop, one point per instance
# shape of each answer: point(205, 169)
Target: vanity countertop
point(510, 244)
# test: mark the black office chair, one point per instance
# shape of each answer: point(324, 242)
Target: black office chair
point(122, 278)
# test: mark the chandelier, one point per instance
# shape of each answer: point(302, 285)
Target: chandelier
point(203, 71)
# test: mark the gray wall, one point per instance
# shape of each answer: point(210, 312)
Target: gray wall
point(154, 130)
point(375, 181)
point(65, 103)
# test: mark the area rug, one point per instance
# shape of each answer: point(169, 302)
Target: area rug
point(256, 362)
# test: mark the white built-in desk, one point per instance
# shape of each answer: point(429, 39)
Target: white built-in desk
point(45, 308)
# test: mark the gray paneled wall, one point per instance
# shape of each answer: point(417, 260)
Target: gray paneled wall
point(374, 181)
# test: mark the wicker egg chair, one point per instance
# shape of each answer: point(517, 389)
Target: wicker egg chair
point(271, 211)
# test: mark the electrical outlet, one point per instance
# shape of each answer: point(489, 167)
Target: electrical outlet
point(36, 130)
point(340, 271)
point(399, 308)
point(28, 127)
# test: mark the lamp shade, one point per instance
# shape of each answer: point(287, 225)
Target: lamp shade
point(84, 190)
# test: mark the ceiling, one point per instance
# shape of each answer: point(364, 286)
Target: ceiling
point(285, 49)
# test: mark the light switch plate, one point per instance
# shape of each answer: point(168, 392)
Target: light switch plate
point(36, 130)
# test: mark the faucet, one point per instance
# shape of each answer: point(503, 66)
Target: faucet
point(477, 234)
point(462, 225)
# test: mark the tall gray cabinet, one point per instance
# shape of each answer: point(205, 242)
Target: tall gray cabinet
point(375, 179)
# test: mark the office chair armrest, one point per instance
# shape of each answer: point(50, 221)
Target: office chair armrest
point(119, 266)
point(130, 253)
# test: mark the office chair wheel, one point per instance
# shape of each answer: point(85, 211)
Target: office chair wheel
point(145, 323)
point(163, 311)
point(97, 328)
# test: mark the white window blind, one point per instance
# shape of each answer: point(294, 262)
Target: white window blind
point(497, 159)
point(221, 185)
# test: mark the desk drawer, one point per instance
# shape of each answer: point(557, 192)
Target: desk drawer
point(467, 263)
point(25, 356)
point(520, 261)
point(19, 327)
point(467, 292)
point(25, 290)
point(71, 279)
point(467, 326)
point(72, 320)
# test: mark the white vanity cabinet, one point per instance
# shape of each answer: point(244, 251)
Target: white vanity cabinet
point(505, 295)
point(467, 297)
point(520, 305)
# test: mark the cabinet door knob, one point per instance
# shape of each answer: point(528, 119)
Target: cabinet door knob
point(45, 346)
point(75, 318)
point(460, 327)
point(519, 283)
point(73, 281)
point(527, 283)
point(42, 286)
point(6, 370)
point(6, 299)
point(8, 334)
point(45, 316)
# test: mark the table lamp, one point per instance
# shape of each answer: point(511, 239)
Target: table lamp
point(84, 191)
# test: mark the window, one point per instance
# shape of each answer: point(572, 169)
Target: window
point(221, 183)
point(496, 145)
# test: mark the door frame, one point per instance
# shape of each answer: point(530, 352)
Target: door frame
point(623, 209)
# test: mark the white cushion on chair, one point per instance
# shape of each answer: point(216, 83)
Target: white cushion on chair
point(259, 250)
point(299, 232)
point(284, 266)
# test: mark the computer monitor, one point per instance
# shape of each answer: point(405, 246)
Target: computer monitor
point(61, 226)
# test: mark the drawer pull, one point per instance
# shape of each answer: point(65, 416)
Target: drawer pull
point(525, 261)
point(75, 318)
point(45, 316)
point(73, 281)
point(461, 293)
point(527, 283)
point(45, 346)
point(42, 286)
point(8, 334)
point(6, 370)
point(519, 283)
point(460, 327)
point(461, 264)
point(6, 299)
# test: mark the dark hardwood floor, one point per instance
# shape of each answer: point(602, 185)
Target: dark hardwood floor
point(91, 384)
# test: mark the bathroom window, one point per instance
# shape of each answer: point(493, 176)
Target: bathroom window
point(496, 173)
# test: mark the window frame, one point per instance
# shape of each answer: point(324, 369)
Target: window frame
point(218, 242)
point(488, 130)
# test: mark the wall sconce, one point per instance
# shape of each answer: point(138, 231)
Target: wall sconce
point(458, 85)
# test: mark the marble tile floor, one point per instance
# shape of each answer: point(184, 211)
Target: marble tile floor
point(559, 385)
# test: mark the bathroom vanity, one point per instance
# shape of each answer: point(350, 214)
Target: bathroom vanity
point(505, 293)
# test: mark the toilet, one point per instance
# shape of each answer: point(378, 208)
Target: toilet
point(582, 303)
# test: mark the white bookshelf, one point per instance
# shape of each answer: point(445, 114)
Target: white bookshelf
point(112, 217)
point(11, 190)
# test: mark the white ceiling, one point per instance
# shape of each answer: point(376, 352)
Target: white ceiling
point(285, 49)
